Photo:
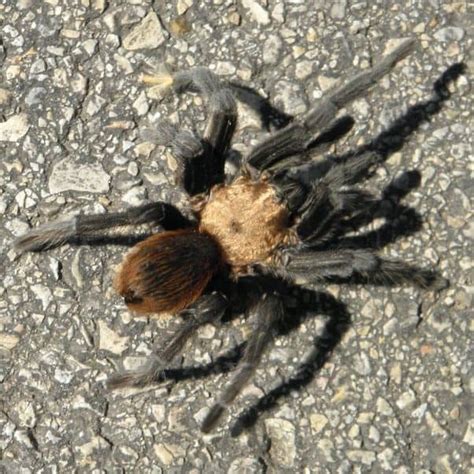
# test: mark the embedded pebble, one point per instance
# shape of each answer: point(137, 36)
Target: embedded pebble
point(282, 435)
point(148, 34)
point(318, 422)
point(183, 6)
point(8, 341)
point(135, 196)
point(449, 33)
point(110, 341)
point(14, 128)
point(272, 49)
point(257, 12)
point(68, 175)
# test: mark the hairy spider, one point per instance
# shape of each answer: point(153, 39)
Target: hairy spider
point(264, 223)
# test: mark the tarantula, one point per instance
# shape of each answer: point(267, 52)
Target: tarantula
point(264, 223)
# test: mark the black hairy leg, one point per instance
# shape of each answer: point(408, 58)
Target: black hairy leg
point(268, 311)
point(209, 308)
point(354, 265)
point(300, 133)
point(200, 160)
point(60, 232)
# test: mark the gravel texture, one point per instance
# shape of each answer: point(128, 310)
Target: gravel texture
point(396, 393)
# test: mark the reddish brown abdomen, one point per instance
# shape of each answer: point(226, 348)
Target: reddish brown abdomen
point(167, 272)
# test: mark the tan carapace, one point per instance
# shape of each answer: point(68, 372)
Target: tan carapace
point(246, 219)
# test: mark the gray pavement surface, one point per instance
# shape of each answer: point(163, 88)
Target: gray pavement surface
point(396, 393)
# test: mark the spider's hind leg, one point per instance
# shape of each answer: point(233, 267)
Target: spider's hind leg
point(358, 265)
point(207, 309)
point(267, 313)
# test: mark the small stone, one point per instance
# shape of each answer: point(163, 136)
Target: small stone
point(132, 169)
point(257, 12)
point(183, 5)
point(396, 373)
point(338, 9)
point(94, 105)
point(5, 96)
point(374, 434)
point(26, 413)
point(361, 456)
point(420, 411)
point(207, 331)
point(70, 34)
point(148, 34)
point(406, 400)
point(385, 458)
point(325, 83)
point(179, 26)
point(469, 435)
point(303, 69)
point(79, 84)
point(99, 5)
point(43, 293)
point(158, 412)
point(35, 95)
point(121, 125)
point(362, 364)
point(282, 434)
point(278, 12)
point(326, 447)
point(272, 49)
point(110, 340)
point(434, 425)
point(14, 128)
point(311, 35)
point(141, 104)
point(95, 446)
point(318, 422)
point(234, 18)
point(354, 432)
point(449, 33)
point(90, 46)
point(68, 175)
point(443, 466)
point(225, 68)
point(290, 96)
point(244, 465)
point(38, 67)
point(163, 454)
point(8, 341)
point(384, 407)
point(135, 196)
point(63, 376)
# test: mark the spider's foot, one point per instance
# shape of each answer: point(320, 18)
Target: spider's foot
point(159, 81)
point(45, 236)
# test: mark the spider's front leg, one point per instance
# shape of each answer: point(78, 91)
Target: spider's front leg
point(59, 232)
point(200, 161)
point(209, 308)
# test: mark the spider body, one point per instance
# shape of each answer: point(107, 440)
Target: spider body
point(264, 224)
point(167, 272)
